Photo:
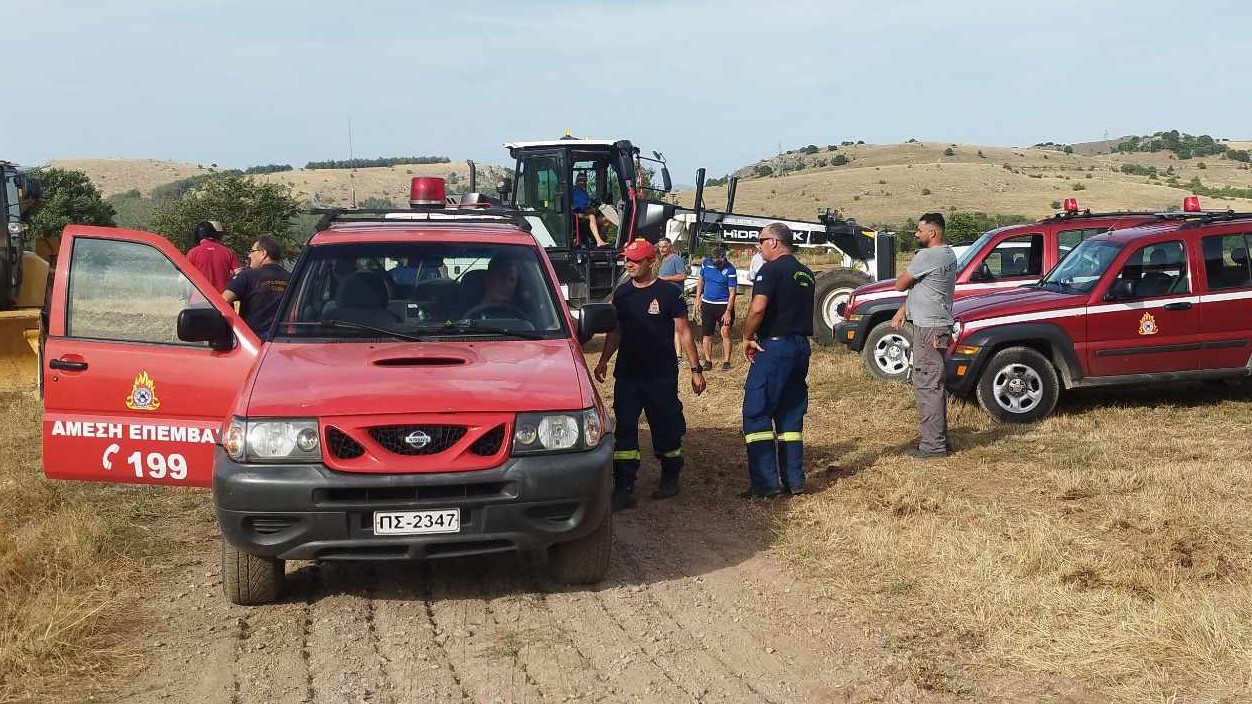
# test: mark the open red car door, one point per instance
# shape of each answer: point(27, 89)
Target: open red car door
point(124, 399)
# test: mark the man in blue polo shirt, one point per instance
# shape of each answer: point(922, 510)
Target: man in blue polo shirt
point(586, 215)
point(716, 291)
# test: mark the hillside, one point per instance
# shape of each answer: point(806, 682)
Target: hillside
point(878, 184)
point(883, 184)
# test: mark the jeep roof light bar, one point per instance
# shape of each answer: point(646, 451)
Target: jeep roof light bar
point(400, 216)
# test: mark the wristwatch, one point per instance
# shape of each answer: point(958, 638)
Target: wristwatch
point(697, 370)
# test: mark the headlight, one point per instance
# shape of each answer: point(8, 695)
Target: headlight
point(285, 440)
point(557, 432)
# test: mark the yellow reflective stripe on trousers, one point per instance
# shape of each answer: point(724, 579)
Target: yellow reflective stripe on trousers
point(758, 437)
point(672, 453)
point(626, 455)
point(790, 437)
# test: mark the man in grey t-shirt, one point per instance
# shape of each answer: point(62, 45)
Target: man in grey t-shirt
point(930, 279)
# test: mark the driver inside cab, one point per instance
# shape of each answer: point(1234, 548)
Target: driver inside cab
point(501, 284)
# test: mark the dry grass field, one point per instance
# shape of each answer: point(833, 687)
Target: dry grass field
point(1107, 549)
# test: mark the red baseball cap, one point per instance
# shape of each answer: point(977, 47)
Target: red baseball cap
point(639, 250)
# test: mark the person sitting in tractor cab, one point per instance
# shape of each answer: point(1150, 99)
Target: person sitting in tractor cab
point(585, 215)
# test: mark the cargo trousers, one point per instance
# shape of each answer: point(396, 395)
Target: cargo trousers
point(775, 399)
point(929, 389)
point(658, 398)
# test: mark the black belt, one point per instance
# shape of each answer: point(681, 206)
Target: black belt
point(784, 337)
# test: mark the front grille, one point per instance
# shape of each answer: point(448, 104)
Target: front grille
point(437, 438)
point(404, 494)
point(489, 444)
point(342, 446)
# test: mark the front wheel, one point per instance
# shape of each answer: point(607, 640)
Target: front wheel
point(249, 579)
point(585, 560)
point(1019, 385)
point(887, 352)
point(833, 287)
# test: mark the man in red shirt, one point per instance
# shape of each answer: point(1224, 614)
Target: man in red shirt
point(215, 260)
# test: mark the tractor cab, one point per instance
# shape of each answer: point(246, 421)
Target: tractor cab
point(577, 193)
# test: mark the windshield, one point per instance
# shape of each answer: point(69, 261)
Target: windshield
point(1079, 271)
point(420, 291)
point(973, 249)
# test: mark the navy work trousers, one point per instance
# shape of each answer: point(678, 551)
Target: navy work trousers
point(775, 399)
point(658, 398)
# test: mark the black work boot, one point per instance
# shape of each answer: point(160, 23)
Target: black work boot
point(623, 498)
point(668, 486)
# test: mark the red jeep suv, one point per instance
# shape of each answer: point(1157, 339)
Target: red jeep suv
point(1005, 257)
point(1165, 301)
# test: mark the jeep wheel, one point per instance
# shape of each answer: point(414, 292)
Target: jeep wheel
point(249, 580)
point(1019, 385)
point(833, 287)
point(886, 352)
point(585, 560)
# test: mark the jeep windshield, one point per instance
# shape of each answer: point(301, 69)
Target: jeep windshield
point(1079, 271)
point(421, 291)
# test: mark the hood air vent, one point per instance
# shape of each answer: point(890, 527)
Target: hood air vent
point(420, 362)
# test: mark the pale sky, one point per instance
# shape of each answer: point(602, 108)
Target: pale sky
point(714, 83)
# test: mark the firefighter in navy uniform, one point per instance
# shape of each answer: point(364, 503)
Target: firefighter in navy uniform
point(776, 345)
point(649, 313)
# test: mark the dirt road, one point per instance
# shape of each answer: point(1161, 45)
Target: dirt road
point(695, 608)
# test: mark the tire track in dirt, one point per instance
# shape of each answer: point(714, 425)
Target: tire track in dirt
point(343, 652)
point(416, 665)
point(271, 663)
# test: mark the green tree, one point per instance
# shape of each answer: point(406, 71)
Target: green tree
point(246, 208)
point(68, 197)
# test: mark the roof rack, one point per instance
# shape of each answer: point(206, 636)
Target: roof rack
point(452, 215)
point(1204, 217)
point(1066, 215)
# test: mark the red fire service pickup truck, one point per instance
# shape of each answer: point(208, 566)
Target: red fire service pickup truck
point(1158, 303)
point(1005, 257)
point(422, 394)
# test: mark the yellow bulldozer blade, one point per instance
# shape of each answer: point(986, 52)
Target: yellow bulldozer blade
point(19, 349)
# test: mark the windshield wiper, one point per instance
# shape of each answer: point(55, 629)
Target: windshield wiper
point(351, 325)
point(470, 326)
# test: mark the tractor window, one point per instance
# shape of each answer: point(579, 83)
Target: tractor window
point(541, 190)
point(127, 291)
point(1226, 261)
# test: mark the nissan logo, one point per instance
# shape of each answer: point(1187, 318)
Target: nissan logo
point(417, 440)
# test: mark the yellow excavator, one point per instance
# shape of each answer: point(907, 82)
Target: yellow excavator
point(25, 264)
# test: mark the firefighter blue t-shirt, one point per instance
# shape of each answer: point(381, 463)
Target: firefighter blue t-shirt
point(718, 281)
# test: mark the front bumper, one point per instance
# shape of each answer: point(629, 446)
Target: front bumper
point(309, 512)
point(961, 372)
point(853, 332)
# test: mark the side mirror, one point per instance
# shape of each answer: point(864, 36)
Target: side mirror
point(595, 318)
point(666, 179)
point(205, 325)
point(982, 273)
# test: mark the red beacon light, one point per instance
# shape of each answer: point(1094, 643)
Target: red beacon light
point(427, 192)
point(1071, 205)
point(1191, 204)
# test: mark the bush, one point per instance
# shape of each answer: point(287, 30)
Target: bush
point(245, 207)
point(1056, 205)
point(1140, 170)
point(832, 147)
point(762, 170)
point(1078, 187)
point(1068, 149)
point(1201, 165)
point(925, 191)
point(68, 197)
point(811, 149)
point(981, 155)
point(949, 152)
point(839, 160)
point(267, 169)
point(967, 226)
point(911, 141)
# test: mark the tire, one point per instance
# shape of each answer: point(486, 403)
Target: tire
point(886, 352)
point(834, 286)
point(1019, 385)
point(249, 580)
point(585, 560)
